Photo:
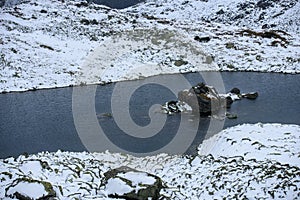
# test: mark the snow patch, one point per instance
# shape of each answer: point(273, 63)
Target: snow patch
point(138, 178)
point(259, 141)
point(31, 190)
point(117, 186)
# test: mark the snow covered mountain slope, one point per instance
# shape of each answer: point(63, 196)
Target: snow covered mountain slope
point(44, 43)
point(270, 171)
point(252, 14)
point(47, 44)
point(254, 35)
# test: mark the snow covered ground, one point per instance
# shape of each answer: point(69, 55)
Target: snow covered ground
point(53, 43)
point(259, 161)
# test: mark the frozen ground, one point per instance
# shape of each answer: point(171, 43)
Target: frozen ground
point(259, 161)
point(54, 44)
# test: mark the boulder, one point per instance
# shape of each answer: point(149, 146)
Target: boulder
point(203, 99)
point(229, 101)
point(28, 188)
point(231, 115)
point(235, 91)
point(264, 4)
point(252, 95)
point(179, 63)
point(171, 107)
point(202, 39)
point(128, 183)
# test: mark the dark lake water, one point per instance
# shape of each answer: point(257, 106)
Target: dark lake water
point(44, 120)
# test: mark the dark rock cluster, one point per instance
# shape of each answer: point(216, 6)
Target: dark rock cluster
point(205, 100)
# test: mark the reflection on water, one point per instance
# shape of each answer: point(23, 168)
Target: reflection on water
point(42, 120)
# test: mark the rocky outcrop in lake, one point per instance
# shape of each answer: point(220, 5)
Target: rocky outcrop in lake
point(205, 100)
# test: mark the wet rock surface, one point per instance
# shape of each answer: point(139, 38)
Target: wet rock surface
point(252, 95)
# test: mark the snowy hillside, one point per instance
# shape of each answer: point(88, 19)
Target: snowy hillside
point(47, 44)
point(252, 166)
point(243, 35)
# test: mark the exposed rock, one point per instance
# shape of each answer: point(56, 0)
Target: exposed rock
point(231, 115)
point(263, 4)
point(235, 91)
point(202, 39)
point(203, 99)
point(209, 59)
point(82, 4)
point(43, 11)
point(230, 45)
point(128, 183)
point(85, 21)
point(252, 95)
point(229, 101)
point(266, 34)
point(179, 63)
point(220, 12)
point(46, 47)
point(106, 115)
point(265, 26)
point(175, 107)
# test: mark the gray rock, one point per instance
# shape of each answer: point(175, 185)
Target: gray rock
point(235, 91)
point(203, 98)
point(252, 95)
point(231, 115)
point(179, 63)
point(202, 39)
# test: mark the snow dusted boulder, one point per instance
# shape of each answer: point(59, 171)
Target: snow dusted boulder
point(203, 98)
point(128, 183)
point(27, 188)
point(175, 107)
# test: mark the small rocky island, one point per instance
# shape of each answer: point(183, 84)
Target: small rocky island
point(205, 100)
